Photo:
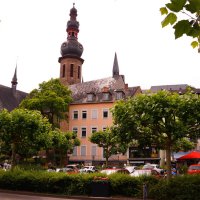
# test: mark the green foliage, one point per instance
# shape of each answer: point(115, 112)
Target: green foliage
point(124, 185)
point(76, 184)
point(163, 11)
point(175, 5)
point(178, 188)
point(183, 144)
point(190, 25)
point(185, 187)
point(63, 142)
point(161, 119)
point(51, 99)
point(170, 19)
point(24, 132)
point(182, 27)
point(193, 6)
point(108, 141)
point(194, 44)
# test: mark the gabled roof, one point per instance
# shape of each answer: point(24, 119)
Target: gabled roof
point(9, 98)
point(114, 84)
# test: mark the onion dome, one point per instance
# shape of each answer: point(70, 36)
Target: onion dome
point(72, 47)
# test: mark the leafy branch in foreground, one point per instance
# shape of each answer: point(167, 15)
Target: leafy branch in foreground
point(184, 17)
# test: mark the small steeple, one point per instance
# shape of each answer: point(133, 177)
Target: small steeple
point(14, 80)
point(115, 66)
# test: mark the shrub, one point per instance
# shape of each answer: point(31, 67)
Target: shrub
point(184, 187)
point(178, 188)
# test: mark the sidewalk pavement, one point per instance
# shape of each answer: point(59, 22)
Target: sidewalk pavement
point(70, 197)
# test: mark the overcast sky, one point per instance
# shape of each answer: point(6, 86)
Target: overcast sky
point(31, 32)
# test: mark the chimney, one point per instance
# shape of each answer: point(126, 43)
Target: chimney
point(126, 86)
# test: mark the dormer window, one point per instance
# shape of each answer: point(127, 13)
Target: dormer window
point(119, 95)
point(90, 97)
point(106, 96)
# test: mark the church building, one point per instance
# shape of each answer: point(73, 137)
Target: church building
point(10, 97)
point(90, 110)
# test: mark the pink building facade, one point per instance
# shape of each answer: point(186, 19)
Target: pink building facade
point(90, 110)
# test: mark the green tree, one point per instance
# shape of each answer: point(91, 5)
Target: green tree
point(63, 143)
point(183, 144)
point(108, 141)
point(51, 99)
point(184, 16)
point(24, 131)
point(161, 118)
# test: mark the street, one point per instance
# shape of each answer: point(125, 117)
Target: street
point(9, 196)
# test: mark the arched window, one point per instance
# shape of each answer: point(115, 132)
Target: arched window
point(71, 70)
point(63, 71)
point(79, 72)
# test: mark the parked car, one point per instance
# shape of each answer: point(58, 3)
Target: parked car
point(88, 169)
point(73, 166)
point(131, 169)
point(194, 169)
point(67, 170)
point(155, 167)
point(146, 172)
point(115, 170)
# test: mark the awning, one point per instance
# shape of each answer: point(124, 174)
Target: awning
point(191, 155)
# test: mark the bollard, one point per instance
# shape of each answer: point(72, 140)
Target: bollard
point(144, 191)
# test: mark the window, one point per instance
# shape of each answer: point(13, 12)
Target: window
point(104, 128)
point(75, 130)
point(105, 113)
point(94, 151)
point(74, 153)
point(84, 114)
point(75, 114)
point(71, 70)
point(94, 129)
point(119, 95)
point(94, 114)
point(90, 97)
point(63, 71)
point(83, 150)
point(106, 96)
point(79, 72)
point(83, 132)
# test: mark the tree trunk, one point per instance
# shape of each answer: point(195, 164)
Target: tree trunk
point(62, 158)
point(106, 161)
point(168, 161)
point(13, 157)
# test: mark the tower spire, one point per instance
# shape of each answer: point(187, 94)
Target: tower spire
point(14, 81)
point(115, 66)
point(71, 51)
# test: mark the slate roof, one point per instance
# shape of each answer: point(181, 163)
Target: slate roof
point(179, 87)
point(96, 87)
point(10, 98)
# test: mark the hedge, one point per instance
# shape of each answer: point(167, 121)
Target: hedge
point(178, 188)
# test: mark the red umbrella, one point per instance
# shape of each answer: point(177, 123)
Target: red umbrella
point(191, 155)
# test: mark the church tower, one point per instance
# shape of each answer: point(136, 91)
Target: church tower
point(71, 51)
